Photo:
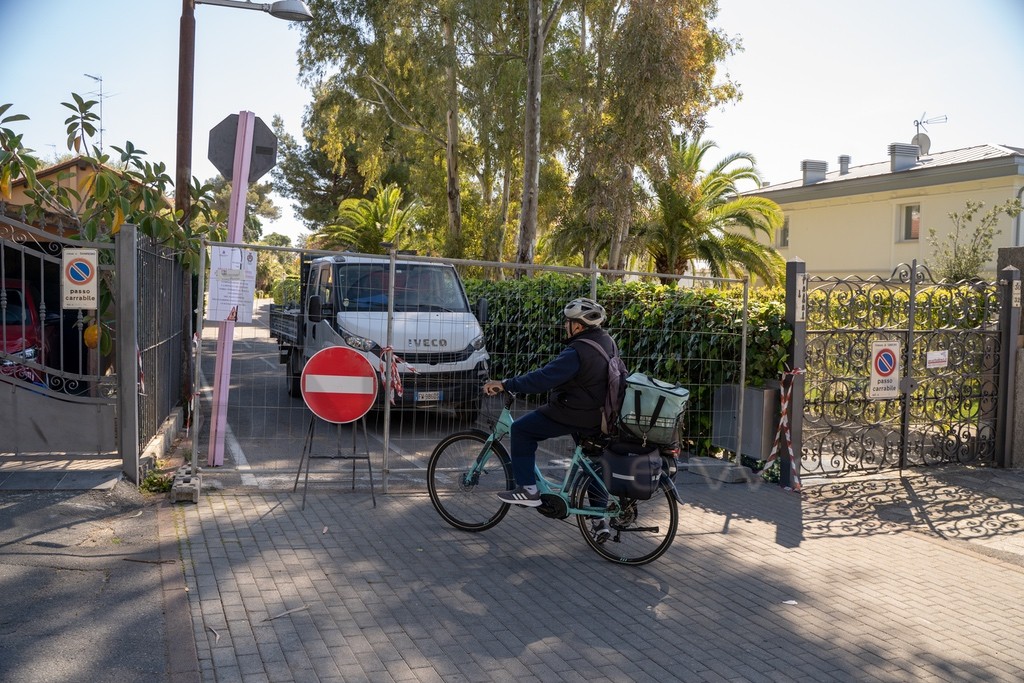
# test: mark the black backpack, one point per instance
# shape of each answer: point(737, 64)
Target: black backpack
point(616, 394)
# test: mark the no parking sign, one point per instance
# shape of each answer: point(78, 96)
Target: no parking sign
point(80, 269)
point(885, 370)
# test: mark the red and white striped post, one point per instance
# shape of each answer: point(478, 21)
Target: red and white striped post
point(783, 437)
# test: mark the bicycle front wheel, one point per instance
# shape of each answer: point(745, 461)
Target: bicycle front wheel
point(641, 533)
point(464, 478)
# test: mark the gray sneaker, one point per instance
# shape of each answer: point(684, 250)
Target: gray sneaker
point(600, 530)
point(520, 496)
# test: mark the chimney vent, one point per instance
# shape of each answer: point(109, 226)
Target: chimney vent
point(902, 157)
point(844, 164)
point(814, 171)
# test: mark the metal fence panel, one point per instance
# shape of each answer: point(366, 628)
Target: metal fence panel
point(160, 330)
point(267, 428)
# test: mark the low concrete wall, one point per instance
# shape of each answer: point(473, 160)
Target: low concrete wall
point(161, 444)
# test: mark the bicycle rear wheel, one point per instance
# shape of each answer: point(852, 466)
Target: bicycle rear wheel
point(640, 534)
point(464, 500)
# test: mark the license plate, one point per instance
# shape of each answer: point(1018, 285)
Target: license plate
point(428, 396)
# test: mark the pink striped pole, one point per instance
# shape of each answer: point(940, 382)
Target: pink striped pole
point(226, 332)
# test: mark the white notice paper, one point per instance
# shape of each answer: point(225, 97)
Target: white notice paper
point(232, 284)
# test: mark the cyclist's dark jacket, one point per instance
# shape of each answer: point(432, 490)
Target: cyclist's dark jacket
point(576, 380)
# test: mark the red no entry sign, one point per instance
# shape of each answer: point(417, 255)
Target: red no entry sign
point(339, 385)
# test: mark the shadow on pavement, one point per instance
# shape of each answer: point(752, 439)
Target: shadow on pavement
point(80, 587)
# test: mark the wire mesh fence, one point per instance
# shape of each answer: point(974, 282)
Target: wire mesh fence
point(448, 334)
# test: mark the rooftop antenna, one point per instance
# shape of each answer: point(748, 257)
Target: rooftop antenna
point(921, 139)
point(99, 79)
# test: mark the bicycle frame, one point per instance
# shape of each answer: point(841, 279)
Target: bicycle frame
point(578, 463)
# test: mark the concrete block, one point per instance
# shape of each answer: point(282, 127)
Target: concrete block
point(187, 484)
point(719, 470)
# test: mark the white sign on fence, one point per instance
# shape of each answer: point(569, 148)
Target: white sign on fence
point(232, 284)
point(937, 359)
point(80, 279)
point(885, 370)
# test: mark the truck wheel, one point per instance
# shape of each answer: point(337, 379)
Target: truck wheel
point(293, 371)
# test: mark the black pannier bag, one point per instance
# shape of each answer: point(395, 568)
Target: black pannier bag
point(631, 469)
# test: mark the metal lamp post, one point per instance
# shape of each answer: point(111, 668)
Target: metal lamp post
point(290, 10)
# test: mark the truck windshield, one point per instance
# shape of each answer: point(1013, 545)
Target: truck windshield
point(364, 287)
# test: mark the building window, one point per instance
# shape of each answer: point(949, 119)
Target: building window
point(910, 222)
point(782, 236)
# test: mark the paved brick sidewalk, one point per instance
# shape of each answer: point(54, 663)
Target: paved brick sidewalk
point(851, 584)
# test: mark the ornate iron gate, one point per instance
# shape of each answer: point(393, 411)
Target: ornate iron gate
point(954, 354)
point(59, 397)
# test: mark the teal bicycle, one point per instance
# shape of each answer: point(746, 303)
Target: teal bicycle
point(468, 468)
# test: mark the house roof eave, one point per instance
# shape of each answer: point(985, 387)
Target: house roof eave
point(914, 178)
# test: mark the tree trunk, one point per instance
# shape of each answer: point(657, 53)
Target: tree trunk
point(531, 129)
point(623, 215)
point(454, 243)
point(506, 199)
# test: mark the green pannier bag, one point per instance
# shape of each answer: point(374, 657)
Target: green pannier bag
point(652, 408)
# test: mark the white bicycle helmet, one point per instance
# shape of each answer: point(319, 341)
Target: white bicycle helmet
point(586, 311)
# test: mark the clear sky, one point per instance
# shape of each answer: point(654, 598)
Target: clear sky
point(245, 61)
point(820, 78)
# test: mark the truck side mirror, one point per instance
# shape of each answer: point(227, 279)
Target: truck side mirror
point(314, 309)
point(481, 310)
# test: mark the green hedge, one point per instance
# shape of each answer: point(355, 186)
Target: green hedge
point(688, 336)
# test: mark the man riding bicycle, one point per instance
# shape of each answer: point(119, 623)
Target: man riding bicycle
point(576, 381)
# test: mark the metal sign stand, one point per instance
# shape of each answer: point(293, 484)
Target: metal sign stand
point(307, 456)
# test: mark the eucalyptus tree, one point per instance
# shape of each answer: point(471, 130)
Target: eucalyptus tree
point(307, 176)
point(644, 69)
point(388, 83)
point(493, 90)
point(701, 216)
point(539, 25)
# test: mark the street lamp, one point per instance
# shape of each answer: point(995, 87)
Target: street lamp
point(290, 10)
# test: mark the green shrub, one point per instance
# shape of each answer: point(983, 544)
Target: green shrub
point(688, 336)
point(156, 482)
point(286, 290)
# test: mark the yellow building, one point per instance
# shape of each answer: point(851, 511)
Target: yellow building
point(865, 220)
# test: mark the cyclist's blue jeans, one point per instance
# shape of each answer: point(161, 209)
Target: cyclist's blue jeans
point(527, 432)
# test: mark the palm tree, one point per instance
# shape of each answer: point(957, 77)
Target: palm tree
point(362, 224)
point(698, 214)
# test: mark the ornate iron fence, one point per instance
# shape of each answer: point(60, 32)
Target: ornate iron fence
point(952, 345)
point(57, 393)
